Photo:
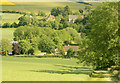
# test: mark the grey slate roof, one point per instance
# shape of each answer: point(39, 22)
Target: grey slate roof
point(75, 48)
point(73, 16)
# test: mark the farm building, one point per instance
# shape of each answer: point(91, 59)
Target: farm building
point(75, 48)
point(50, 17)
point(39, 17)
point(72, 18)
point(41, 54)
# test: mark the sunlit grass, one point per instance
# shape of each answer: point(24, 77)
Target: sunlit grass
point(10, 18)
point(7, 33)
point(45, 69)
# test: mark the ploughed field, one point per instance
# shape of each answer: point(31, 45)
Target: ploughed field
point(45, 69)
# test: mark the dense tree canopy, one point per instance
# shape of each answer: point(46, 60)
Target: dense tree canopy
point(61, 11)
point(24, 20)
point(46, 44)
point(44, 38)
point(101, 47)
point(41, 13)
point(24, 46)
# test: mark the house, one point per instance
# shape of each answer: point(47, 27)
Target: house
point(29, 16)
point(41, 54)
point(50, 17)
point(10, 53)
point(56, 51)
point(82, 16)
point(39, 17)
point(14, 41)
point(72, 18)
point(75, 48)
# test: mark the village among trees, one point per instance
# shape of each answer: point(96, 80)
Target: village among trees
point(48, 33)
point(91, 35)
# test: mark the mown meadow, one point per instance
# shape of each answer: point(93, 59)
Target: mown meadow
point(46, 69)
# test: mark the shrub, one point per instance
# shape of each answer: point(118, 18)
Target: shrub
point(14, 25)
point(6, 25)
point(70, 53)
point(16, 49)
point(6, 46)
point(37, 52)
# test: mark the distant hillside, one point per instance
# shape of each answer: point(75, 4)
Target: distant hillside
point(96, 0)
point(58, 0)
point(5, 2)
point(46, 6)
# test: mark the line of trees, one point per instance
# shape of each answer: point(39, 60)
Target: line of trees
point(17, 12)
point(8, 25)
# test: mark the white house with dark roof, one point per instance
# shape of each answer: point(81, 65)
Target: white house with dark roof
point(72, 18)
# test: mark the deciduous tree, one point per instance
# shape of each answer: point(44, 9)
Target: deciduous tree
point(101, 47)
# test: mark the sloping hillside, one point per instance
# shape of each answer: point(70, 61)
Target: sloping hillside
point(45, 6)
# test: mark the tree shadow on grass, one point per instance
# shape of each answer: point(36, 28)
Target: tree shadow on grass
point(74, 70)
point(63, 71)
point(67, 70)
point(71, 67)
point(100, 74)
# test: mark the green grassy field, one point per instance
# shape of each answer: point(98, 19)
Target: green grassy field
point(7, 33)
point(10, 18)
point(45, 6)
point(45, 69)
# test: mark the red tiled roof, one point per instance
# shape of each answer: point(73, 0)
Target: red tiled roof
point(50, 16)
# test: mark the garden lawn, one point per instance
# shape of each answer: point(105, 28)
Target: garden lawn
point(44, 69)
